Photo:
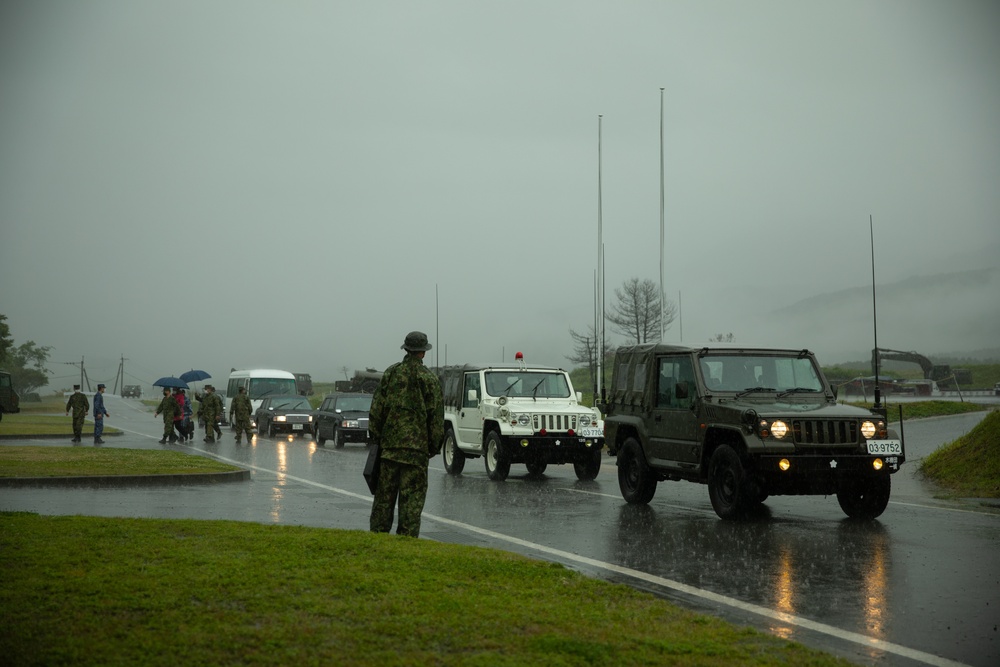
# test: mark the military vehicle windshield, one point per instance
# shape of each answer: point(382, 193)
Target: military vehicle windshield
point(741, 373)
point(527, 384)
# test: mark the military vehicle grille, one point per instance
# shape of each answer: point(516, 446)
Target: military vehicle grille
point(825, 432)
point(553, 422)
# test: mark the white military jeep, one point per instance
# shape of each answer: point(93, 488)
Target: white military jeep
point(518, 414)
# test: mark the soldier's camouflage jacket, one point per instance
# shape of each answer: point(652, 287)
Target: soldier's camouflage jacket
point(79, 404)
point(407, 413)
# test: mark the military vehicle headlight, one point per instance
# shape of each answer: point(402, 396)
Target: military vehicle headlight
point(779, 429)
point(523, 420)
point(584, 421)
point(868, 429)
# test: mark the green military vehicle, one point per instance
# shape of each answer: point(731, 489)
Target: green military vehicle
point(9, 400)
point(749, 423)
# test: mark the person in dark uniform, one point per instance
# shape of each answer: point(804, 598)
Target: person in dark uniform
point(99, 414)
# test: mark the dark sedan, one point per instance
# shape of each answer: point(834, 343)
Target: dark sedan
point(343, 418)
point(284, 414)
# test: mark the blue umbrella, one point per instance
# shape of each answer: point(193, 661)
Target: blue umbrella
point(171, 382)
point(194, 376)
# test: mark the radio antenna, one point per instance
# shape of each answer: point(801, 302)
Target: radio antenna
point(875, 354)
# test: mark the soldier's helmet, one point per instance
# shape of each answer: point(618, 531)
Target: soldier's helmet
point(416, 341)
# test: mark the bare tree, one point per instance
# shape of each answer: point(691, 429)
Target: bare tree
point(722, 338)
point(585, 347)
point(637, 313)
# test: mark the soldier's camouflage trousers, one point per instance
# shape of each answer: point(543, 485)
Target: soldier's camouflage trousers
point(243, 425)
point(409, 484)
point(78, 424)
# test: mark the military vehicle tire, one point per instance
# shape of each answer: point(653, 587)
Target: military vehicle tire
point(865, 499)
point(454, 459)
point(727, 483)
point(588, 470)
point(497, 458)
point(635, 479)
point(536, 468)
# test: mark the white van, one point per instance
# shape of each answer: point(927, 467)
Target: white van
point(259, 382)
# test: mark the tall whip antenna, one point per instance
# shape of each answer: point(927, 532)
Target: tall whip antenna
point(875, 354)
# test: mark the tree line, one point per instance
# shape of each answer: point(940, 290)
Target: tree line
point(25, 362)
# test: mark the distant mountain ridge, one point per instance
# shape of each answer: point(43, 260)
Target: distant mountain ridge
point(954, 315)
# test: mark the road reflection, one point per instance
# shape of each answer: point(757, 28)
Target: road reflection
point(802, 569)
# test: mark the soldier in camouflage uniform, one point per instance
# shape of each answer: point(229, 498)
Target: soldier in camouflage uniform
point(242, 408)
point(211, 408)
point(79, 404)
point(407, 421)
point(169, 409)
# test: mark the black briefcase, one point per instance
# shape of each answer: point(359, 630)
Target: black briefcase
point(372, 466)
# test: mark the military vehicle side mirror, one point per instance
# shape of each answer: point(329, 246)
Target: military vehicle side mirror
point(472, 394)
point(579, 397)
point(834, 389)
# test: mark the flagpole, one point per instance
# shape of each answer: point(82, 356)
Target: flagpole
point(663, 298)
point(599, 334)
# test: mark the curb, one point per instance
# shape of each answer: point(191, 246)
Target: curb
point(126, 480)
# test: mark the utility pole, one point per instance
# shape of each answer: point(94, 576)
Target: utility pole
point(120, 375)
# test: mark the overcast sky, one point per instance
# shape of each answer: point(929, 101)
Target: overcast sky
point(218, 184)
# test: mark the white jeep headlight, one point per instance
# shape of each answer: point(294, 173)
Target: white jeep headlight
point(585, 421)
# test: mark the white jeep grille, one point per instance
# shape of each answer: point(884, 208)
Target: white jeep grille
point(553, 422)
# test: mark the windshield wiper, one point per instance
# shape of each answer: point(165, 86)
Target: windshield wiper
point(536, 389)
point(795, 390)
point(753, 390)
point(510, 386)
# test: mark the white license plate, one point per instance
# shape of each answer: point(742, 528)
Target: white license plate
point(296, 427)
point(592, 433)
point(885, 447)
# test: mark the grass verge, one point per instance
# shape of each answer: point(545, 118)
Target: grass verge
point(31, 424)
point(923, 409)
point(970, 466)
point(98, 591)
point(32, 461)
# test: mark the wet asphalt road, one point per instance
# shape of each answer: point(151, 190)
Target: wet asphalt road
point(919, 586)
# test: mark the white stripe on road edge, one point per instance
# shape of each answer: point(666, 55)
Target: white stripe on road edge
point(823, 628)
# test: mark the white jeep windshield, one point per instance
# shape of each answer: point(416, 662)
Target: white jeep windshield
point(534, 384)
point(761, 373)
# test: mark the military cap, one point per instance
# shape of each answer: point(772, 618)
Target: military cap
point(76, 386)
point(416, 341)
point(100, 386)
